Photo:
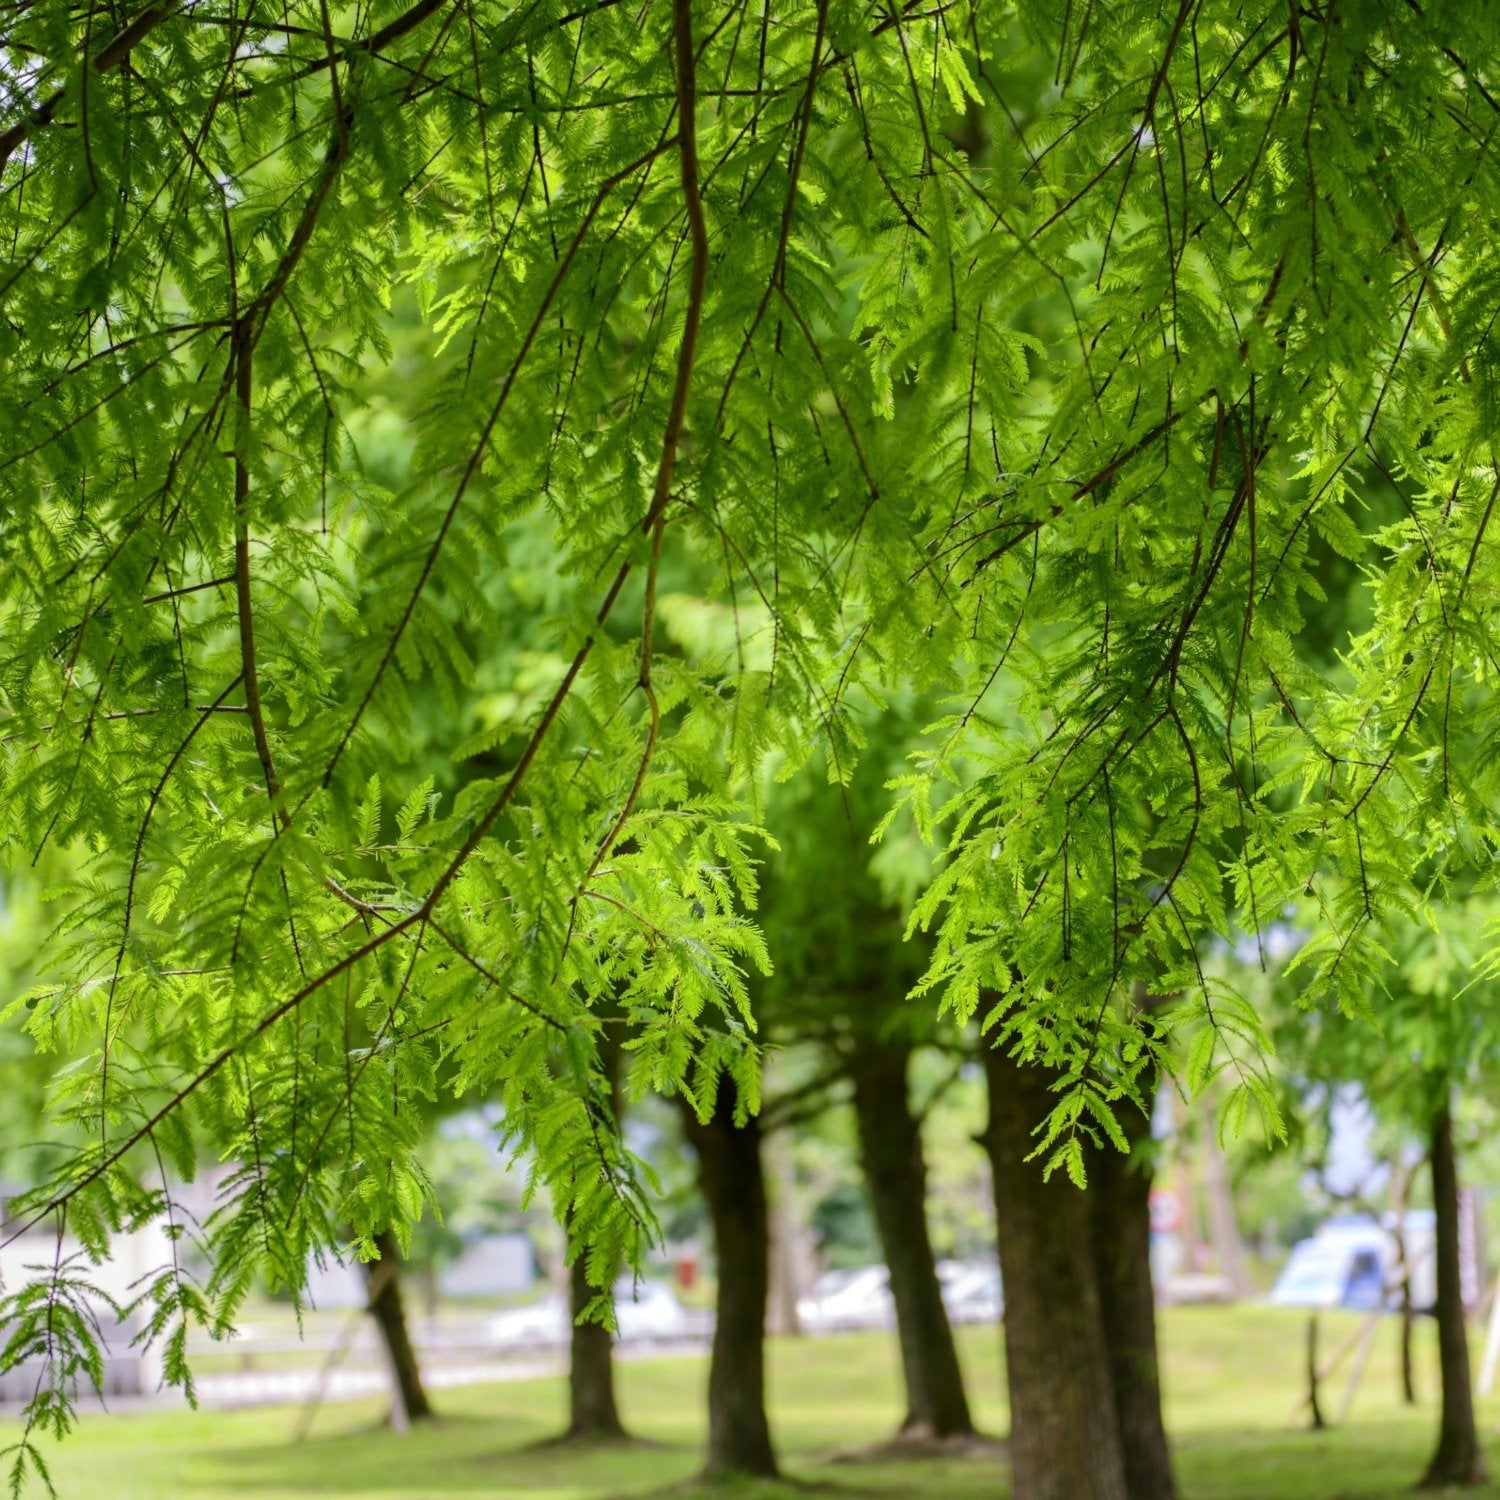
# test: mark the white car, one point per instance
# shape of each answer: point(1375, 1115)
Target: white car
point(862, 1298)
point(536, 1324)
point(849, 1299)
point(644, 1310)
point(971, 1291)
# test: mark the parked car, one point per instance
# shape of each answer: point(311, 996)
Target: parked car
point(848, 1299)
point(540, 1323)
point(644, 1310)
point(647, 1310)
point(862, 1298)
point(972, 1292)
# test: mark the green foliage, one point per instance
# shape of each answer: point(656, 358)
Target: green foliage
point(1056, 361)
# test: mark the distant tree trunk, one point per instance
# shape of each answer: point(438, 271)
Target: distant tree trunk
point(730, 1174)
point(1315, 1406)
point(1400, 1188)
point(1190, 1231)
point(1408, 1370)
point(592, 1412)
point(890, 1145)
point(1064, 1434)
point(1223, 1231)
point(383, 1278)
point(1119, 1197)
point(785, 1232)
point(1457, 1460)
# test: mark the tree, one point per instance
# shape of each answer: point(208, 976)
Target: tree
point(1443, 1035)
point(832, 912)
point(1085, 1383)
point(1036, 355)
point(726, 1138)
point(383, 1278)
point(895, 1171)
point(1119, 1212)
point(592, 1412)
point(1064, 1426)
point(1457, 1459)
point(1432, 1033)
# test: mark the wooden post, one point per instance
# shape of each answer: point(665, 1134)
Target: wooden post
point(1312, 1373)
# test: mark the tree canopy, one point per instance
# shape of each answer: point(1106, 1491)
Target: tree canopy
point(1048, 358)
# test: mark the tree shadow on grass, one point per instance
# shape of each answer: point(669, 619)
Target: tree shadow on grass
point(469, 1455)
point(1353, 1461)
point(453, 1455)
point(459, 1456)
point(972, 1447)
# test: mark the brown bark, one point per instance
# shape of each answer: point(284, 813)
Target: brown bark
point(383, 1278)
point(1408, 1370)
point(1401, 1180)
point(733, 1184)
point(592, 1410)
point(1314, 1405)
point(1119, 1194)
point(890, 1144)
point(1457, 1460)
point(1064, 1434)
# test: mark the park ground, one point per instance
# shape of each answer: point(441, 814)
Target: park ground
point(1233, 1375)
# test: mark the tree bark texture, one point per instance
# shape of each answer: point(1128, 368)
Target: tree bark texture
point(733, 1184)
point(592, 1410)
point(383, 1277)
point(1457, 1460)
point(1119, 1194)
point(890, 1145)
point(1064, 1433)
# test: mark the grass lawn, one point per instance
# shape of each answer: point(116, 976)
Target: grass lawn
point(1232, 1375)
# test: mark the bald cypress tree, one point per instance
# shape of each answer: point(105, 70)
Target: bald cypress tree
point(1039, 355)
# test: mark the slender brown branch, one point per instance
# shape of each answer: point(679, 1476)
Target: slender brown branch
point(249, 670)
point(656, 517)
point(110, 56)
point(481, 447)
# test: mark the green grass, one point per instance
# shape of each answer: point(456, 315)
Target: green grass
point(1232, 1377)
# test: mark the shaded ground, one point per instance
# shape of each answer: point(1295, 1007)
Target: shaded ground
point(1232, 1376)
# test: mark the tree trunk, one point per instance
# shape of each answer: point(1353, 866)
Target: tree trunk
point(1408, 1372)
point(383, 1278)
point(1223, 1231)
point(1190, 1231)
point(1119, 1195)
point(786, 1281)
point(592, 1412)
point(729, 1172)
point(1457, 1460)
point(1315, 1406)
point(890, 1146)
point(1400, 1189)
point(1064, 1434)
